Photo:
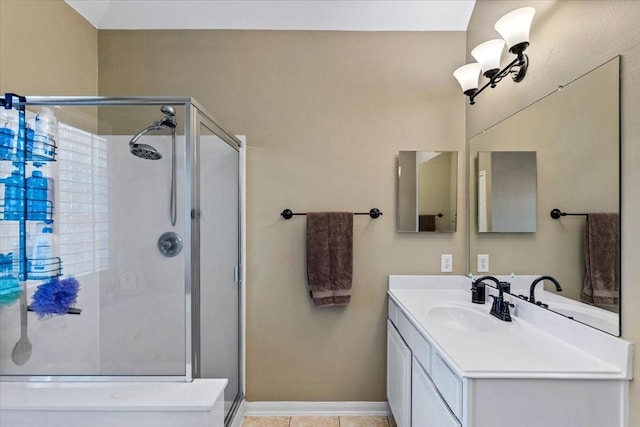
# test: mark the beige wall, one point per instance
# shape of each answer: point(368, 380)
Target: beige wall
point(569, 38)
point(46, 48)
point(325, 114)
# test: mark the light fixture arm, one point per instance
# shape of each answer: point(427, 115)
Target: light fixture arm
point(517, 68)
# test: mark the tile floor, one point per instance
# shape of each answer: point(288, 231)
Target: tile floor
point(320, 421)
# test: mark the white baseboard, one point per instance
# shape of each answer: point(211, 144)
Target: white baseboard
point(317, 408)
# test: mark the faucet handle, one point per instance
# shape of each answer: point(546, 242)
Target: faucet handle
point(506, 314)
point(541, 304)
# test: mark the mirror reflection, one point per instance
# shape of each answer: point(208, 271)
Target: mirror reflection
point(506, 191)
point(575, 135)
point(427, 184)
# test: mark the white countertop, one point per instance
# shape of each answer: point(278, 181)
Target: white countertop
point(198, 395)
point(518, 349)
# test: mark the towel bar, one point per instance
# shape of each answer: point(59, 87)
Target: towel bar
point(557, 213)
point(373, 213)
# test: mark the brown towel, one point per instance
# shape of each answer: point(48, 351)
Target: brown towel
point(426, 223)
point(602, 259)
point(330, 257)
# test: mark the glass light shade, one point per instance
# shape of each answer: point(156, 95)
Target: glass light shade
point(488, 54)
point(468, 76)
point(514, 26)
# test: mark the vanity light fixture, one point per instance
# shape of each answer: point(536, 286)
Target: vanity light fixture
point(514, 28)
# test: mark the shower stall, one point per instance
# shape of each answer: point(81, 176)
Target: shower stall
point(144, 211)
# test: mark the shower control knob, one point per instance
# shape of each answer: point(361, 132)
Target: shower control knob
point(170, 244)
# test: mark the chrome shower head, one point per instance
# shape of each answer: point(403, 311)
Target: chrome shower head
point(168, 110)
point(145, 151)
point(169, 119)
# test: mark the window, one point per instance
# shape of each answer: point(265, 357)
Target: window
point(81, 206)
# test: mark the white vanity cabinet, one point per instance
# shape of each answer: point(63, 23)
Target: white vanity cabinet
point(440, 378)
point(414, 398)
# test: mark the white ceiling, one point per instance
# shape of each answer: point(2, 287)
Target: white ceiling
point(333, 15)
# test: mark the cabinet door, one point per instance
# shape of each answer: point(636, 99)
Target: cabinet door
point(398, 377)
point(427, 407)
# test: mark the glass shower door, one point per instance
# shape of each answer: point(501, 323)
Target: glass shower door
point(217, 297)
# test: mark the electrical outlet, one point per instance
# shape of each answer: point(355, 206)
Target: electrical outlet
point(483, 263)
point(446, 263)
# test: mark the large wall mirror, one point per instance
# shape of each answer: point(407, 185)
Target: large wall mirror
point(575, 135)
point(427, 191)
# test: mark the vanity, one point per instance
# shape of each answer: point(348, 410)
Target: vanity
point(450, 363)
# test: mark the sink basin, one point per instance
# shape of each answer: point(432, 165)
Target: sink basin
point(461, 318)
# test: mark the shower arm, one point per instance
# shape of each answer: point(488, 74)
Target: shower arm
point(154, 126)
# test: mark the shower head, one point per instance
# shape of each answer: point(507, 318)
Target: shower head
point(168, 110)
point(169, 119)
point(145, 151)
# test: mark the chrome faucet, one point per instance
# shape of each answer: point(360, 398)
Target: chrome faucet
point(532, 297)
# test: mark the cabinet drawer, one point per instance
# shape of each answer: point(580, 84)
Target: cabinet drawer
point(393, 312)
point(448, 384)
point(419, 345)
point(427, 407)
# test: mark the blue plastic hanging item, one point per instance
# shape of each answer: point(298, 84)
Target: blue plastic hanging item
point(8, 133)
point(9, 286)
point(30, 134)
point(37, 190)
point(7, 136)
point(9, 290)
point(41, 257)
point(44, 141)
point(13, 196)
point(55, 297)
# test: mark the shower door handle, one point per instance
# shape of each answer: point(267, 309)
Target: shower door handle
point(237, 274)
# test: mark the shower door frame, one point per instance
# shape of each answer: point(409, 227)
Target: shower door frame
point(198, 117)
point(192, 108)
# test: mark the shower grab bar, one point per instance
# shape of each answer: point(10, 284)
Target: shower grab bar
point(557, 213)
point(373, 213)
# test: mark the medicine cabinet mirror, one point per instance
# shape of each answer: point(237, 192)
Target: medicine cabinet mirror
point(427, 191)
point(574, 133)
